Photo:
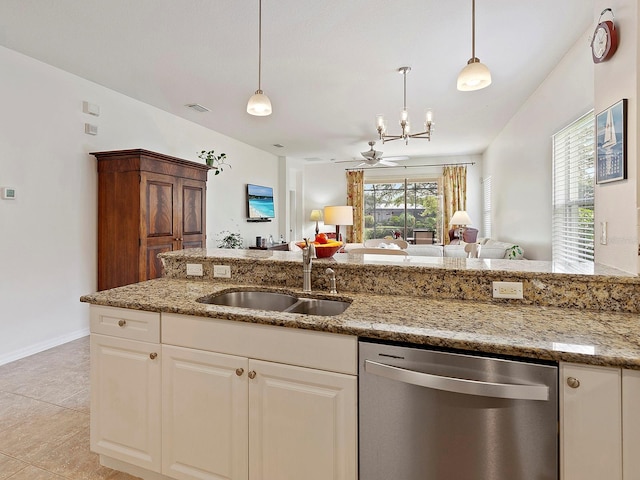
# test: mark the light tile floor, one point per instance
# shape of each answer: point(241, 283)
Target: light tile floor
point(44, 417)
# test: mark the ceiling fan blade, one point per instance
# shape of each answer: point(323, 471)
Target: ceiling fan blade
point(396, 157)
point(388, 163)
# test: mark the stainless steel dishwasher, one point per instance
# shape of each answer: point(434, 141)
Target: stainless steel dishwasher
point(433, 415)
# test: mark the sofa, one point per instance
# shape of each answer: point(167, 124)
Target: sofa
point(483, 248)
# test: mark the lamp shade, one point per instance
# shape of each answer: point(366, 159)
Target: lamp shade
point(460, 218)
point(315, 215)
point(259, 104)
point(474, 76)
point(338, 215)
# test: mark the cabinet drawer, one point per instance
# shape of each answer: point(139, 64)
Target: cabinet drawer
point(125, 323)
point(305, 348)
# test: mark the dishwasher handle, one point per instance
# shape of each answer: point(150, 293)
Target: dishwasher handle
point(459, 385)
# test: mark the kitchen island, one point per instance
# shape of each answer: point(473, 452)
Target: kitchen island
point(588, 317)
point(156, 339)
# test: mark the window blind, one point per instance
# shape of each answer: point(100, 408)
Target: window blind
point(573, 192)
point(486, 207)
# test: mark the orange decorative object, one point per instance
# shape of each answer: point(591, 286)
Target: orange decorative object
point(324, 251)
point(321, 238)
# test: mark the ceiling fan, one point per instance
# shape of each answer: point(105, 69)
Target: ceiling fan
point(374, 157)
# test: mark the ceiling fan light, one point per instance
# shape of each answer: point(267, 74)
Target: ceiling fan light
point(474, 76)
point(259, 105)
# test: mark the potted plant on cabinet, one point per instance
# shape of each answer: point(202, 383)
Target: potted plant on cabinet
point(215, 162)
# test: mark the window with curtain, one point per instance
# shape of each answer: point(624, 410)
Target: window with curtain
point(486, 207)
point(573, 192)
point(398, 206)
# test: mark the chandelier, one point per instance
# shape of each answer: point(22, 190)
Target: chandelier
point(404, 120)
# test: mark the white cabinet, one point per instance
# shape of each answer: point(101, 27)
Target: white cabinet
point(125, 389)
point(234, 417)
point(302, 423)
point(590, 422)
point(204, 420)
point(631, 424)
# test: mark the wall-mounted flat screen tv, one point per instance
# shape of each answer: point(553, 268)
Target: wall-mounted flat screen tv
point(260, 202)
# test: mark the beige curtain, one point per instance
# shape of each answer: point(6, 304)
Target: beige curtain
point(454, 187)
point(355, 198)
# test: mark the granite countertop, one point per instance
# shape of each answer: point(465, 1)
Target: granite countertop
point(549, 333)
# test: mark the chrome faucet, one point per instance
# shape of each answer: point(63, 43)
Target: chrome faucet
point(332, 280)
point(308, 253)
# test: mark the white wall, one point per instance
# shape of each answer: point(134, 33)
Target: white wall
point(48, 234)
point(519, 158)
point(326, 184)
point(617, 202)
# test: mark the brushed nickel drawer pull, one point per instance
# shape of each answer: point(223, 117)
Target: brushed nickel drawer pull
point(122, 323)
point(153, 355)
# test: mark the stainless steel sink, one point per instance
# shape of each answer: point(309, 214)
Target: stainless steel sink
point(275, 301)
point(315, 306)
point(252, 299)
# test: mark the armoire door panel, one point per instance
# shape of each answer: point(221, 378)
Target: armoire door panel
point(198, 243)
point(153, 267)
point(160, 208)
point(192, 209)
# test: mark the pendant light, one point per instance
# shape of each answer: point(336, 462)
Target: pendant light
point(475, 75)
point(259, 104)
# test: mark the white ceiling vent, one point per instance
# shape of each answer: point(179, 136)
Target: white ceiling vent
point(197, 107)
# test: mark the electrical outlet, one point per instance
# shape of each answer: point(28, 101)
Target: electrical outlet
point(194, 269)
point(222, 271)
point(507, 289)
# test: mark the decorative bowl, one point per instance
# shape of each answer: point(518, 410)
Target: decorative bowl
point(324, 250)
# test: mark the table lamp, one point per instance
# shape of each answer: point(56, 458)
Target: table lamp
point(314, 217)
point(338, 215)
point(462, 219)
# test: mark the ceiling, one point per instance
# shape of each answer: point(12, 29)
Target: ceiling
point(329, 66)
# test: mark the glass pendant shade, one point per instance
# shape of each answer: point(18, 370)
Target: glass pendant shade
point(259, 104)
point(474, 76)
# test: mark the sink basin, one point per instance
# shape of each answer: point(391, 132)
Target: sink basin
point(278, 302)
point(252, 299)
point(314, 306)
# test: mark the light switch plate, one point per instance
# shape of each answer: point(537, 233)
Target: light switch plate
point(222, 271)
point(507, 290)
point(194, 269)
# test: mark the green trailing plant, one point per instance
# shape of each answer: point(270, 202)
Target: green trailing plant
point(216, 162)
point(227, 239)
point(514, 252)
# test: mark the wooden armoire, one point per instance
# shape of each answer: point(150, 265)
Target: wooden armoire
point(148, 203)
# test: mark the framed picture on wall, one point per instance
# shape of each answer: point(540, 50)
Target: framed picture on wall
point(611, 143)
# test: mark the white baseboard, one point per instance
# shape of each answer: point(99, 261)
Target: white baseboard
point(42, 346)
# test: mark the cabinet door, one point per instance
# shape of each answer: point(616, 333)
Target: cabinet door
point(631, 424)
point(591, 424)
point(204, 415)
point(125, 400)
point(160, 223)
point(302, 423)
point(192, 214)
